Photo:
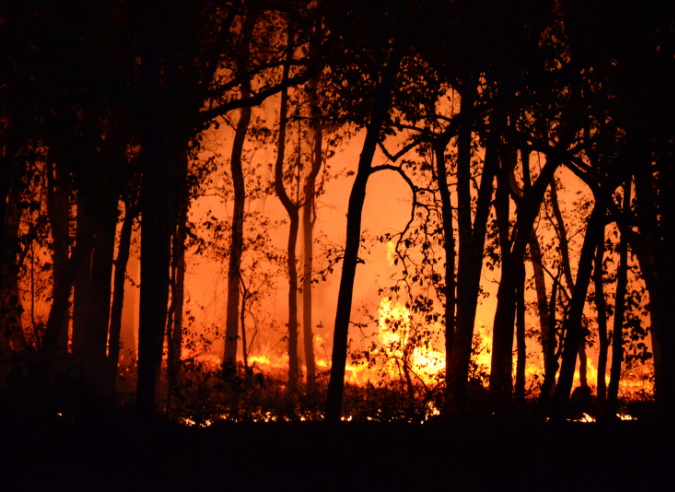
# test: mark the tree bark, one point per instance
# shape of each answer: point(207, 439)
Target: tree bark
point(157, 150)
point(308, 215)
point(521, 363)
point(573, 324)
point(174, 332)
point(501, 371)
point(470, 257)
point(619, 310)
point(236, 244)
point(117, 306)
point(294, 221)
point(561, 232)
point(378, 116)
point(601, 308)
point(239, 186)
point(528, 209)
point(448, 247)
point(58, 211)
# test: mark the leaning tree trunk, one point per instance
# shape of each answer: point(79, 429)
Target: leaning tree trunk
point(561, 232)
point(573, 323)
point(378, 116)
point(117, 306)
point(527, 211)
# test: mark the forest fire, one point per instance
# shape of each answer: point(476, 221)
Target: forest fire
point(438, 224)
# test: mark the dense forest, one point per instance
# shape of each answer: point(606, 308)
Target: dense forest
point(531, 138)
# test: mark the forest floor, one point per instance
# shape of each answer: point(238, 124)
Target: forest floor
point(314, 456)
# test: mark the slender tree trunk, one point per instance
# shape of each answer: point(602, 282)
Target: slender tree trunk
point(569, 280)
point(619, 310)
point(527, 211)
point(174, 332)
point(601, 308)
point(158, 149)
point(521, 363)
point(573, 323)
point(308, 240)
point(58, 312)
point(470, 258)
point(546, 313)
point(58, 211)
point(81, 291)
point(294, 221)
point(553, 355)
point(448, 246)
point(501, 371)
point(116, 309)
point(236, 243)
point(654, 246)
point(548, 337)
point(378, 116)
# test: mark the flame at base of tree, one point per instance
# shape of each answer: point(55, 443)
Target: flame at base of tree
point(401, 369)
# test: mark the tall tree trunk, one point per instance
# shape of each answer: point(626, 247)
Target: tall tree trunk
point(448, 246)
point(548, 336)
point(174, 332)
point(573, 323)
point(521, 363)
point(236, 243)
point(501, 370)
point(527, 210)
point(81, 292)
point(654, 246)
point(470, 257)
point(117, 306)
point(157, 150)
point(294, 221)
point(98, 312)
point(601, 308)
point(308, 215)
point(58, 211)
point(619, 310)
point(378, 116)
point(552, 366)
point(239, 186)
point(58, 312)
point(569, 280)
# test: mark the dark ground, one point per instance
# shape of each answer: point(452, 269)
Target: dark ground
point(310, 456)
